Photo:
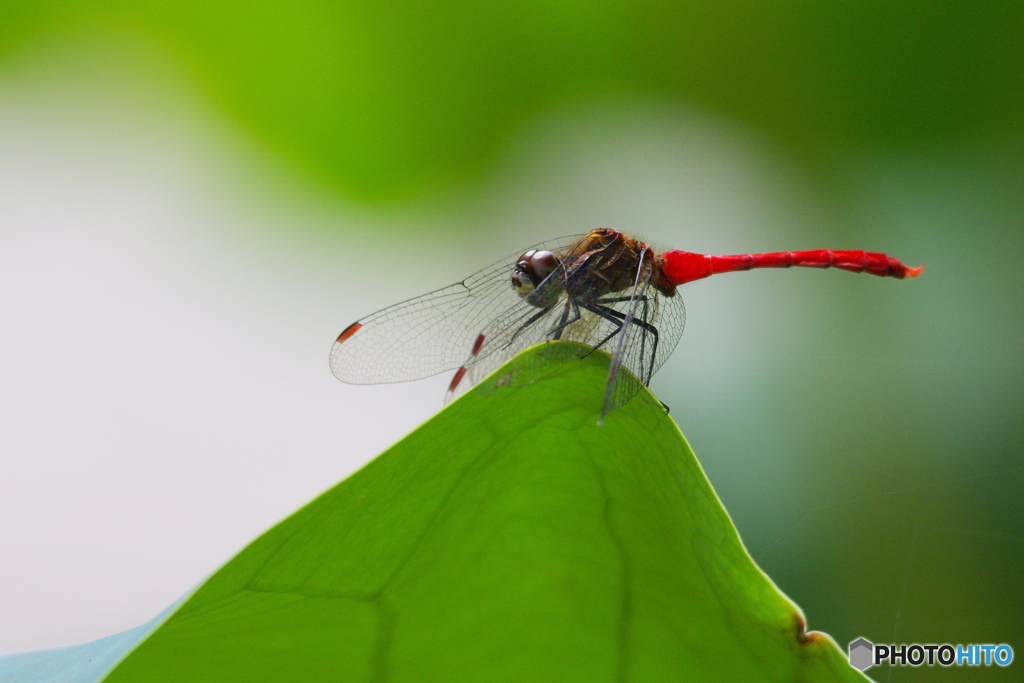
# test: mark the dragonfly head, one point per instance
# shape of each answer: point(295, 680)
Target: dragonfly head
point(531, 269)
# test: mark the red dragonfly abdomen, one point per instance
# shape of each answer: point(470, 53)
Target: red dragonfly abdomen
point(680, 267)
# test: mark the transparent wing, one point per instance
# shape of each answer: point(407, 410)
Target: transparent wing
point(652, 326)
point(627, 340)
point(434, 332)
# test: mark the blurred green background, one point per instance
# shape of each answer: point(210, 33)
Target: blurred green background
point(390, 101)
point(866, 436)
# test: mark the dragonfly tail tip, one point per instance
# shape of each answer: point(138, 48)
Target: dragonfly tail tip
point(913, 272)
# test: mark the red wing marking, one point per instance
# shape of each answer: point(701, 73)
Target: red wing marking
point(457, 378)
point(476, 345)
point(349, 331)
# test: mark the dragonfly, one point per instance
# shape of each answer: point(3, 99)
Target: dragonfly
point(604, 290)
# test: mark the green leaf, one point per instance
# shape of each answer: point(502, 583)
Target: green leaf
point(510, 538)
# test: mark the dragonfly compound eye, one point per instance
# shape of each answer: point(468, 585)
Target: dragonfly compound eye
point(541, 264)
point(531, 269)
point(520, 279)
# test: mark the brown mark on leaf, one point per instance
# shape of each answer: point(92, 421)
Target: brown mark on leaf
point(802, 636)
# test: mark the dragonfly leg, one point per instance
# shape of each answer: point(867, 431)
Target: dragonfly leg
point(619, 318)
point(644, 298)
point(564, 322)
point(620, 299)
point(533, 318)
point(653, 331)
point(605, 313)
